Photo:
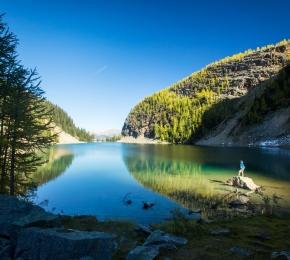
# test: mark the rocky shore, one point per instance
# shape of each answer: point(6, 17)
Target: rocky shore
point(29, 232)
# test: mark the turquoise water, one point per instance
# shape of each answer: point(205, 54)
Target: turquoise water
point(94, 178)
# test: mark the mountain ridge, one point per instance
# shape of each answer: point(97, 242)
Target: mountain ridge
point(180, 113)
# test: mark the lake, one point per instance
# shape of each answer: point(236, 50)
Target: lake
point(97, 178)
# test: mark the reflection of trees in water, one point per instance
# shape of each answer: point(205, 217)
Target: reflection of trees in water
point(182, 181)
point(168, 170)
point(58, 160)
point(271, 162)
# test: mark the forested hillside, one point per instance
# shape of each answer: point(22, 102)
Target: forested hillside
point(193, 107)
point(61, 119)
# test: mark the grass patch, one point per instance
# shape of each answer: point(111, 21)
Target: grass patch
point(261, 235)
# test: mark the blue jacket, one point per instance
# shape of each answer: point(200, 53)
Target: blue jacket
point(242, 166)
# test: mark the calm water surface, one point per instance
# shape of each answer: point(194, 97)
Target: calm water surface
point(94, 178)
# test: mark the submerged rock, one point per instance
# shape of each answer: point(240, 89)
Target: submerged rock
point(242, 182)
point(37, 243)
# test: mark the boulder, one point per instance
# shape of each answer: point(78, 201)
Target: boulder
point(157, 241)
point(23, 213)
point(239, 202)
point(160, 237)
point(37, 243)
point(150, 251)
point(145, 230)
point(143, 253)
point(242, 182)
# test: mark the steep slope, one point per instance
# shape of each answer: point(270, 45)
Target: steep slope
point(66, 129)
point(201, 107)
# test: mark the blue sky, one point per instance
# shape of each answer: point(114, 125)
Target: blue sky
point(97, 59)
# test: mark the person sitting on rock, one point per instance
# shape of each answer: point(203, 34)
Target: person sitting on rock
point(242, 168)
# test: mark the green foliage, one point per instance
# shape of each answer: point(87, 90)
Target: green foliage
point(25, 121)
point(114, 138)
point(275, 95)
point(65, 122)
point(174, 117)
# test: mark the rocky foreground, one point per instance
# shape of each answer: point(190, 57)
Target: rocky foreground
point(29, 232)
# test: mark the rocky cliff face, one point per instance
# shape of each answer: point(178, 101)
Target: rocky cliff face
point(228, 83)
point(242, 71)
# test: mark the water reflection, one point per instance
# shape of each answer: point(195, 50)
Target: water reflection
point(193, 175)
point(94, 178)
point(58, 159)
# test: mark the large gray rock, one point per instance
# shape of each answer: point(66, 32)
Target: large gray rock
point(143, 253)
point(145, 230)
point(36, 243)
point(22, 213)
point(160, 237)
point(242, 182)
point(157, 241)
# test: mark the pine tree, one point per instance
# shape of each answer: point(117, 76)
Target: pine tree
point(25, 120)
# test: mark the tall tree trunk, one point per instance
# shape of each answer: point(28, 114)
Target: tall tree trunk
point(12, 163)
point(4, 170)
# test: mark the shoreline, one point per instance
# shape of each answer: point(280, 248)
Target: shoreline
point(264, 144)
point(140, 140)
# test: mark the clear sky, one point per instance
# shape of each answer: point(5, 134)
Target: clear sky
point(97, 59)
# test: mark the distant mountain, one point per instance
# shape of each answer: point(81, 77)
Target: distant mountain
point(67, 131)
point(243, 100)
point(103, 134)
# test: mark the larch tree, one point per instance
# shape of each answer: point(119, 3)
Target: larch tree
point(26, 127)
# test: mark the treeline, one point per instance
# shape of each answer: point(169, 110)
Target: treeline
point(275, 95)
point(174, 117)
point(25, 120)
point(114, 138)
point(65, 122)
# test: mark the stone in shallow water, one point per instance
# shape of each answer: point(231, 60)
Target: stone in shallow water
point(37, 243)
